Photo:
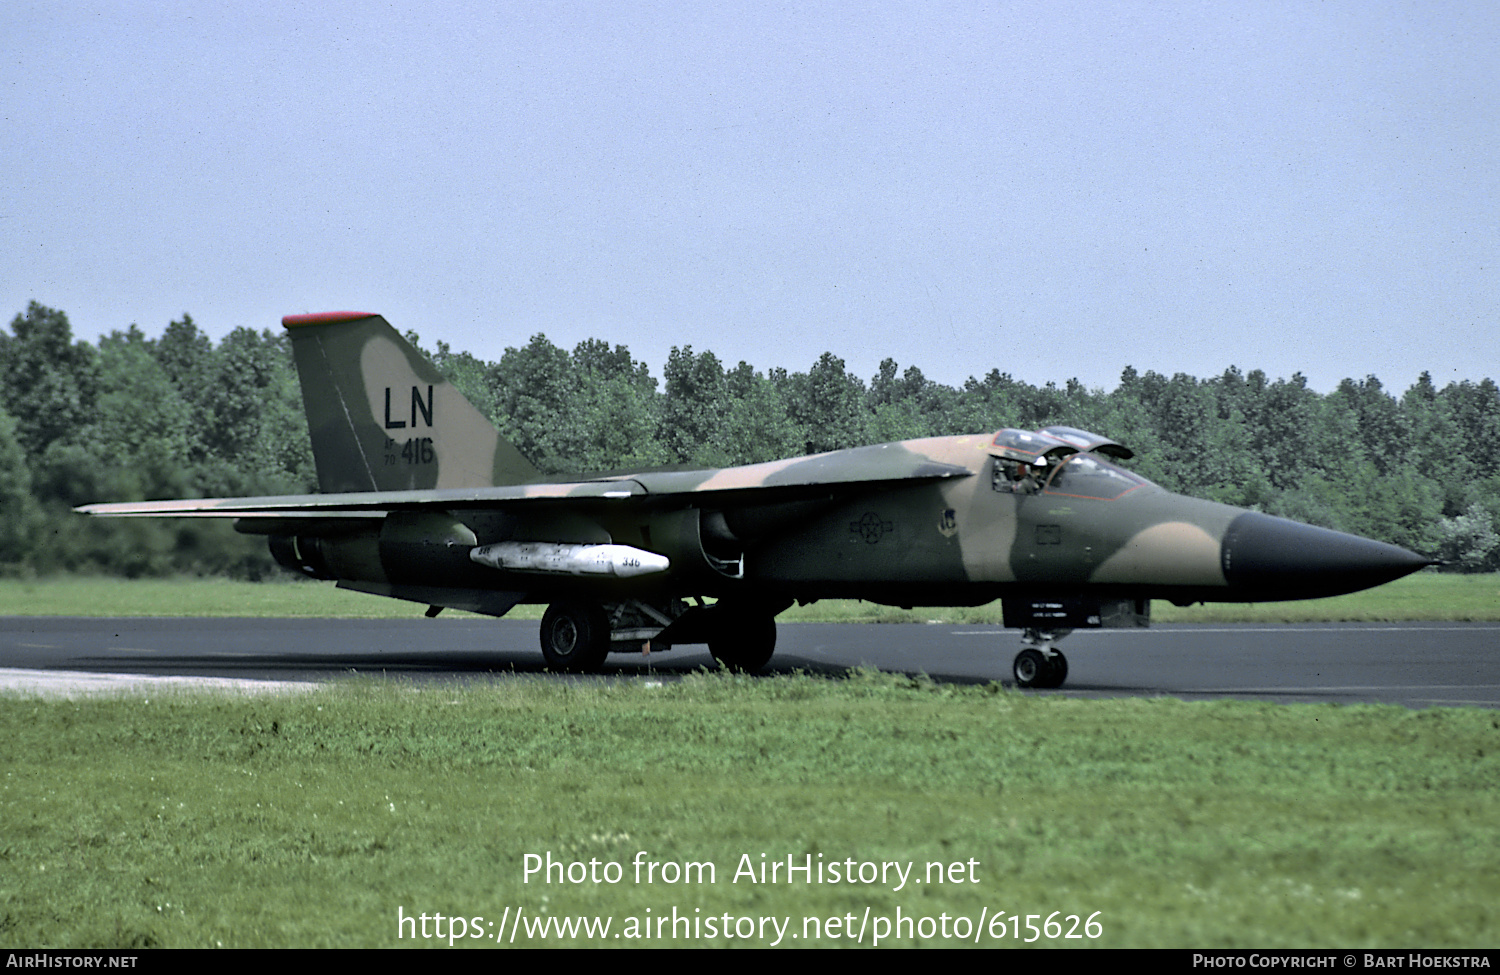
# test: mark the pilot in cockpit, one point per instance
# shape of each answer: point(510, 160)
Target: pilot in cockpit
point(1023, 481)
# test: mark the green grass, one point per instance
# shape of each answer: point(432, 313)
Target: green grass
point(1424, 596)
point(195, 820)
point(309, 820)
point(103, 596)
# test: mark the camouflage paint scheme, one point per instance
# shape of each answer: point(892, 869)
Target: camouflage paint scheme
point(414, 478)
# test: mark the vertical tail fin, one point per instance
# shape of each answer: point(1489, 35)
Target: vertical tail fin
point(383, 418)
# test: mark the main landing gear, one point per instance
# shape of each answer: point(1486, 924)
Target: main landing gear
point(1041, 664)
point(577, 635)
point(742, 637)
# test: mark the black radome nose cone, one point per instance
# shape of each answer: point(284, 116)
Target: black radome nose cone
point(1273, 558)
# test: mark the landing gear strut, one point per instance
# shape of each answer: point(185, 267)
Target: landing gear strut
point(1041, 664)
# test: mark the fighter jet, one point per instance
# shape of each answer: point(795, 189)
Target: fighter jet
point(423, 500)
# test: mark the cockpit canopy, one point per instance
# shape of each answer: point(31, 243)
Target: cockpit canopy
point(1030, 448)
point(1054, 443)
point(1084, 440)
point(1061, 460)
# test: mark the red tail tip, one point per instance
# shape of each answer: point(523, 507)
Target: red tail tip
point(324, 318)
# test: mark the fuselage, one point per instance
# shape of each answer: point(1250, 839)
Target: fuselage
point(1087, 524)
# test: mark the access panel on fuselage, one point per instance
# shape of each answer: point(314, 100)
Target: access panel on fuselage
point(895, 537)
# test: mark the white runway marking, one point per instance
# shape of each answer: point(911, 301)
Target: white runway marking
point(76, 683)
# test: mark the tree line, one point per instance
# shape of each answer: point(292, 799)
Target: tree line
point(134, 417)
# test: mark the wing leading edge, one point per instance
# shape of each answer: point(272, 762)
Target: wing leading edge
point(785, 480)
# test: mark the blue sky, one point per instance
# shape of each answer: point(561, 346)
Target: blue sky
point(1054, 190)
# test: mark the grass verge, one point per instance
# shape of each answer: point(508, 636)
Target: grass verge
point(197, 821)
point(1424, 596)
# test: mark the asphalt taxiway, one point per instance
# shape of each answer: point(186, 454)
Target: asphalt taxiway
point(1411, 664)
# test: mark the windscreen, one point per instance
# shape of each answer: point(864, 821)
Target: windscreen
point(1091, 476)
